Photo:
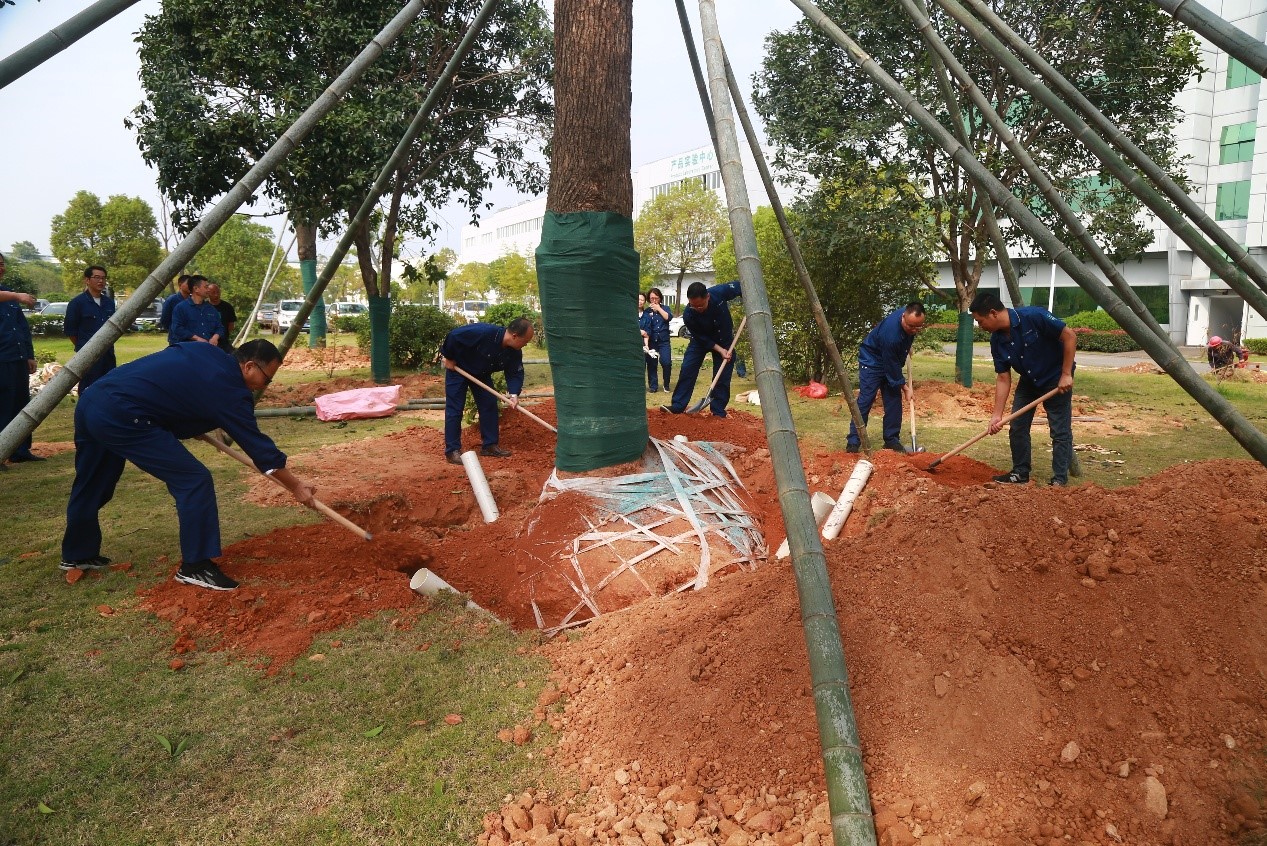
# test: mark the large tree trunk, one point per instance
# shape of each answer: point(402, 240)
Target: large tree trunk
point(306, 244)
point(586, 264)
point(380, 308)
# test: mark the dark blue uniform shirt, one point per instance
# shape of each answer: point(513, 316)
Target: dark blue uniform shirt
point(169, 307)
point(190, 318)
point(189, 389)
point(656, 327)
point(84, 316)
point(1032, 348)
point(713, 326)
point(15, 332)
point(477, 349)
point(886, 348)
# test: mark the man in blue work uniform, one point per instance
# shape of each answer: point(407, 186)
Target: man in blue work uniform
point(880, 359)
point(707, 318)
point(17, 363)
point(169, 304)
point(196, 319)
point(481, 349)
point(140, 412)
point(85, 315)
point(1040, 347)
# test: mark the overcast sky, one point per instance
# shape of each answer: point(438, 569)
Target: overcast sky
point(64, 119)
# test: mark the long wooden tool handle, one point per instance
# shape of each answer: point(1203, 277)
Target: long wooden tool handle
point(1006, 419)
point(505, 399)
point(316, 503)
point(910, 380)
point(731, 351)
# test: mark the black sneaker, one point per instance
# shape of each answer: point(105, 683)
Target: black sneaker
point(896, 446)
point(669, 409)
point(853, 448)
point(495, 451)
point(1012, 479)
point(454, 457)
point(204, 574)
point(1056, 483)
point(97, 562)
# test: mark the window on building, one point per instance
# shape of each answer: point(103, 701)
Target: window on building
point(1232, 201)
point(1236, 142)
point(1156, 298)
point(1071, 301)
point(519, 228)
point(1239, 75)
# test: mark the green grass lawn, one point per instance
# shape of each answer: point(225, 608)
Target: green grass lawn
point(297, 757)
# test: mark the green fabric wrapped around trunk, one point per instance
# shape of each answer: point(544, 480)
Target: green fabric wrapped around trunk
point(587, 272)
point(380, 337)
point(317, 319)
point(963, 349)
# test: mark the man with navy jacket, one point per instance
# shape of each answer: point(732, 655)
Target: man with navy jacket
point(707, 318)
point(85, 315)
point(481, 349)
point(880, 360)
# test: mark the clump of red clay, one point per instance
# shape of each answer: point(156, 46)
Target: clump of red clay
point(1028, 665)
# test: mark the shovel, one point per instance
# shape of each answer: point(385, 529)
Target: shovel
point(910, 380)
point(504, 398)
point(699, 406)
point(1006, 419)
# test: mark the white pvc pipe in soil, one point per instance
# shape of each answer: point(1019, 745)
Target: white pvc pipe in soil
point(428, 583)
point(479, 484)
point(839, 514)
point(822, 505)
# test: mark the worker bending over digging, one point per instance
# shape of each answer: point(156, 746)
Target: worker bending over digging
point(1040, 347)
point(880, 359)
point(707, 318)
point(140, 412)
point(481, 349)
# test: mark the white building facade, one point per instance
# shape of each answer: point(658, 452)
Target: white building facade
point(1221, 114)
point(518, 229)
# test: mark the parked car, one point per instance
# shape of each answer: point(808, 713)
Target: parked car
point(470, 310)
point(348, 309)
point(286, 311)
point(39, 306)
point(54, 310)
point(677, 328)
point(147, 320)
point(266, 317)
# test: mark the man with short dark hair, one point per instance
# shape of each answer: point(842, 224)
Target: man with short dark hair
point(707, 318)
point(880, 359)
point(195, 319)
point(169, 304)
point(140, 412)
point(85, 315)
point(481, 349)
point(228, 316)
point(1040, 347)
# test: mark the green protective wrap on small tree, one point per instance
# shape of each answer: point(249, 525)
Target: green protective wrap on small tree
point(316, 320)
point(963, 349)
point(587, 272)
point(380, 337)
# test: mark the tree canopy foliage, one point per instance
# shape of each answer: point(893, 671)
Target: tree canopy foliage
point(511, 277)
point(1126, 56)
point(120, 235)
point(30, 272)
point(867, 241)
point(223, 82)
point(237, 258)
point(676, 231)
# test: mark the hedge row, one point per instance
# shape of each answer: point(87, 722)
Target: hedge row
point(1090, 340)
point(1258, 346)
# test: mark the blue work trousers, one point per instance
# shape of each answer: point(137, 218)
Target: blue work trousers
point(15, 392)
point(106, 436)
point(1059, 422)
point(691, 363)
point(665, 363)
point(871, 380)
point(455, 388)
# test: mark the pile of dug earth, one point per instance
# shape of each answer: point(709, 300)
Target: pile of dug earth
point(1028, 665)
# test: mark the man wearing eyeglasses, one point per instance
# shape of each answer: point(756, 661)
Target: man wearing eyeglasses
point(880, 360)
point(85, 315)
point(140, 412)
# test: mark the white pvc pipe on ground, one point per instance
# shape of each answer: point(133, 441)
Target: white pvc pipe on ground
point(428, 583)
point(822, 505)
point(479, 484)
point(839, 514)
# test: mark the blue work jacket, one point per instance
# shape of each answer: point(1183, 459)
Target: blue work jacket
point(190, 318)
point(15, 332)
point(169, 308)
point(656, 327)
point(713, 326)
point(477, 349)
point(85, 316)
point(886, 348)
point(1032, 348)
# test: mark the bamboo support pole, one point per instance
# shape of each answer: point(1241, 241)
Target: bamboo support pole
point(317, 504)
point(398, 155)
point(46, 400)
point(848, 799)
point(1040, 179)
point(48, 45)
point(1252, 293)
point(1236, 42)
point(504, 398)
point(1166, 356)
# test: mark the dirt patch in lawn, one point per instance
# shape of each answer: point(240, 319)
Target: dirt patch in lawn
point(1027, 665)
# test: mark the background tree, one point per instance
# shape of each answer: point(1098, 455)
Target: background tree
point(120, 235)
point(677, 231)
point(223, 82)
point(471, 281)
point(1128, 57)
point(514, 278)
point(867, 242)
point(30, 272)
point(237, 259)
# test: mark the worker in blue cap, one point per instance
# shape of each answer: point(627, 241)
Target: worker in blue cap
point(481, 349)
point(140, 412)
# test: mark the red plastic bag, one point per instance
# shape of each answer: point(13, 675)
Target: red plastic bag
point(814, 390)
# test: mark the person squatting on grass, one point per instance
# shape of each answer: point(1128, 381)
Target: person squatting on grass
point(481, 349)
point(707, 318)
point(881, 357)
point(85, 315)
point(1040, 347)
point(140, 412)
